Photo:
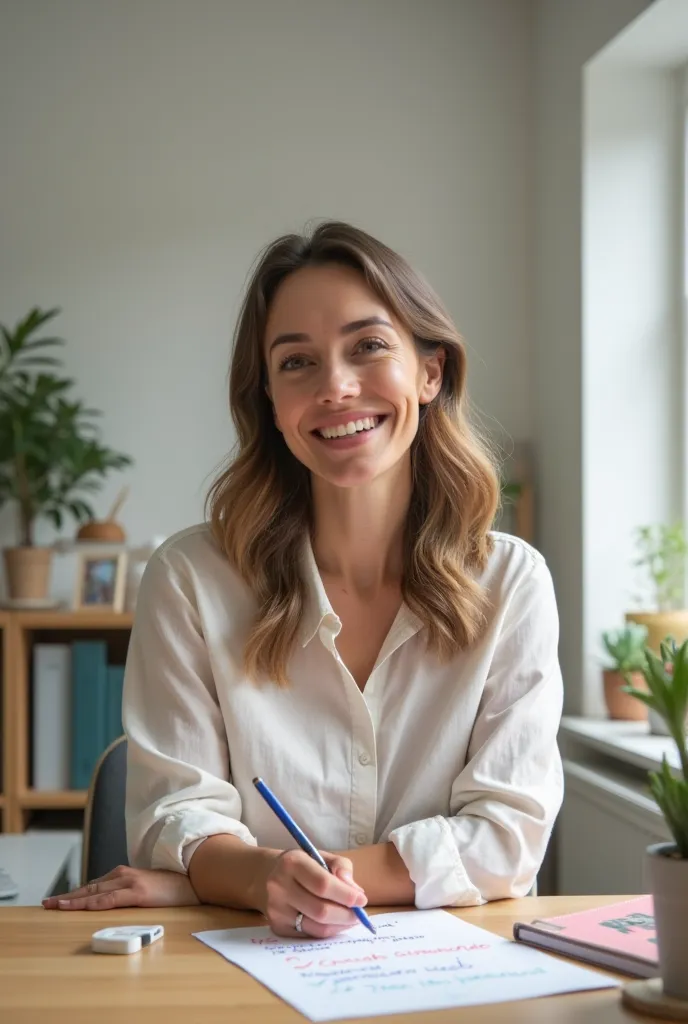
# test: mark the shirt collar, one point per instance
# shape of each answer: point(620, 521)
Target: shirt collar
point(318, 609)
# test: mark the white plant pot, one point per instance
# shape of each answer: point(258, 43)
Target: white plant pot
point(657, 724)
point(668, 877)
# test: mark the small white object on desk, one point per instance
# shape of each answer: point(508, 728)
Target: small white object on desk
point(126, 938)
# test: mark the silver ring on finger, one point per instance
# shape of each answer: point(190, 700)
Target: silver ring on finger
point(298, 923)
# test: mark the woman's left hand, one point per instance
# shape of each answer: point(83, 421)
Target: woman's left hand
point(128, 887)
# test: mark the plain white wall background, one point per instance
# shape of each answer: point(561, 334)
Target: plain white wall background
point(151, 148)
point(634, 372)
point(567, 35)
point(633, 391)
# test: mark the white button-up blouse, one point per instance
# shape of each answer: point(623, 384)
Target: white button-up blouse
point(456, 763)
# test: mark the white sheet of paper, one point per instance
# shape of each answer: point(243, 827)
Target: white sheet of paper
point(419, 960)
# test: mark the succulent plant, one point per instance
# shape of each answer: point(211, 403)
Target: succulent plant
point(626, 647)
point(667, 696)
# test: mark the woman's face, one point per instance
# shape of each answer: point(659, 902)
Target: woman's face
point(345, 378)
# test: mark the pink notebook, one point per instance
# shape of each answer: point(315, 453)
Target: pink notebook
point(620, 936)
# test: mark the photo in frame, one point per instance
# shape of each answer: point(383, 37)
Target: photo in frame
point(100, 582)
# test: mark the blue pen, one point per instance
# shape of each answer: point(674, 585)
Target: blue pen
point(303, 840)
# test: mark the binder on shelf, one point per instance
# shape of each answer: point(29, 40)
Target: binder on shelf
point(52, 699)
point(89, 697)
point(113, 713)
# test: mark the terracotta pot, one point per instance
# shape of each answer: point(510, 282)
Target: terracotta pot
point(619, 704)
point(27, 571)
point(668, 883)
point(660, 625)
point(104, 530)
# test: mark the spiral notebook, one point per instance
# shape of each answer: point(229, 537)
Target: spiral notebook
point(619, 936)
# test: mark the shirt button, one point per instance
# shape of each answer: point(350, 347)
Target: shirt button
point(364, 758)
point(361, 838)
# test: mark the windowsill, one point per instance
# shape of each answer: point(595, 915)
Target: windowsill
point(629, 742)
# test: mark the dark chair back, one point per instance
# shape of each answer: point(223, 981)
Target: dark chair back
point(105, 838)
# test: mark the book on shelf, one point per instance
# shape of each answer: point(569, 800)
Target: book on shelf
point(89, 708)
point(77, 711)
point(113, 702)
point(620, 936)
point(52, 668)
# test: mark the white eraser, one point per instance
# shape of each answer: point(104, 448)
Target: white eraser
point(125, 939)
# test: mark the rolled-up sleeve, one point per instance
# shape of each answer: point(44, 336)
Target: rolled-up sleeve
point(179, 788)
point(504, 803)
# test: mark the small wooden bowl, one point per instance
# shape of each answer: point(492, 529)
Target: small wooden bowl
point(105, 530)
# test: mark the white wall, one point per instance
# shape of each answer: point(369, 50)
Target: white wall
point(633, 398)
point(567, 34)
point(151, 147)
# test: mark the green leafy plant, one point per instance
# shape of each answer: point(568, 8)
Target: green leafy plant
point(21, 351)
point(510, 490)
point(626, 647)
point(663, 550)
point(667, 696)
point(50, 452)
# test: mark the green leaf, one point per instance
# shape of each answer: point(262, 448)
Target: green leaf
point(55, 517)
point(81, 510)
point(663, 551)
point(667, 681)
point(626, 647)
point(50, 449)
point(640, 695)
point(671, 796)
point(37, 343)
point(40, 361)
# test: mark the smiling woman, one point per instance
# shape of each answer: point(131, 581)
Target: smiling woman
point(327, 381)
point(337, 328)
point(346, 625)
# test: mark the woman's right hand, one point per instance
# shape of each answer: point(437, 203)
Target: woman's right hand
point(296, 884)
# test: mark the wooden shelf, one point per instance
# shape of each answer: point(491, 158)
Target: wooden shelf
point(19, 631)
point(66, 619)
point(51, 799)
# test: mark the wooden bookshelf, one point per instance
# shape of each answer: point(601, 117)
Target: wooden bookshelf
point(77, 621)
point(6, 708)
point(53, 799)
point(20, 630)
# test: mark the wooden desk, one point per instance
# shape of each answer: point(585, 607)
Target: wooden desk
point(47, 972)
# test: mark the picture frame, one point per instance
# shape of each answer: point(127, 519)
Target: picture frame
point(100, 582)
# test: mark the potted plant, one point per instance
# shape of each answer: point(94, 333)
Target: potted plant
point(50, 453)
point(517, 509)
point(663, 551)
point(626, 649)
point(667, 695)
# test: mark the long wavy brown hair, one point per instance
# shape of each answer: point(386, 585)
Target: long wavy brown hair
point(259, 507)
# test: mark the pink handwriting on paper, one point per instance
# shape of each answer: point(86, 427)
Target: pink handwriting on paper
point(421, 960)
